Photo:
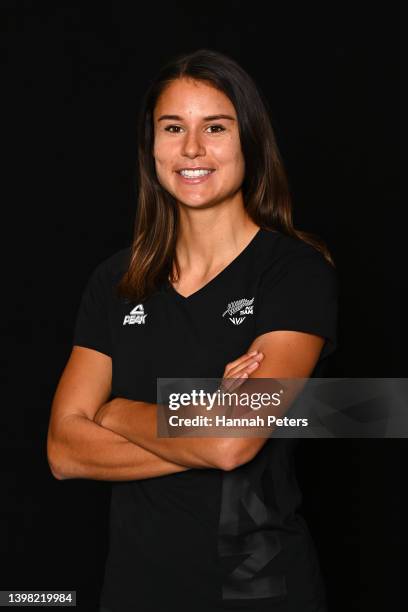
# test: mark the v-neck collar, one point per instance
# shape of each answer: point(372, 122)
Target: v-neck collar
point(220, 274)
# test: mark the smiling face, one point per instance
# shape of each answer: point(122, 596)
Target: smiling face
point(189, 133)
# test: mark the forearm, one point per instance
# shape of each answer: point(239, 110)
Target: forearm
point(137, 421)
point(87, 450)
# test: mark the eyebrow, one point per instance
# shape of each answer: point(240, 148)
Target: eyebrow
point(209, 118)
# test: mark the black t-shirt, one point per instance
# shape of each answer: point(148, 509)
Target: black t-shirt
point(208, 539)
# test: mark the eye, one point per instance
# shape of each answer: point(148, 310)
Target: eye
point(168, 128)
point(222, 129)
point(171, 126)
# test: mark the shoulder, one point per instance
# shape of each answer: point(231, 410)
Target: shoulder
point(290, 258)
point(111, 268)
point(105, 275)
point(298, 291)
point(280, 248)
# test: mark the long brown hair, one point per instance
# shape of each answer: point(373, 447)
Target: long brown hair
point(265, 187)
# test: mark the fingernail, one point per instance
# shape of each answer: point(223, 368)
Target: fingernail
point(253, 353)
point(253, 365)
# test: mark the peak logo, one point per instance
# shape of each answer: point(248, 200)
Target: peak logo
point(243, 307)
point(136, 315)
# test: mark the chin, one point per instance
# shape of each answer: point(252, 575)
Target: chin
point(205, 203)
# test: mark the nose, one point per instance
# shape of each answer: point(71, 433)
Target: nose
point(192, 144)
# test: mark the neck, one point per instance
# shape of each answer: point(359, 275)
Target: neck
point(210, 238)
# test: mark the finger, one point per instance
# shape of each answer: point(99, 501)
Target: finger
point(242, 367)
point(236, 362)
point(229, 384)
point(233, 379)
point(235, 383)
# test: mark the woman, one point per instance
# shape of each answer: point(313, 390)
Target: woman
point(215, 272)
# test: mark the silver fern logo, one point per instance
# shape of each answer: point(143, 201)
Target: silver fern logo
point(243, 307)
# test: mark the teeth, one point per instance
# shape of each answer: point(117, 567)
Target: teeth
point(194, 173)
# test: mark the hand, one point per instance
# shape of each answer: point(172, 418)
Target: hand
point(235, 374)
point(239, 370)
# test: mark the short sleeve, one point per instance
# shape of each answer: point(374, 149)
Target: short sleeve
point(299, 292)
point(92, 328)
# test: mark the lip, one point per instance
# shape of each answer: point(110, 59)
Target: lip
point(197, 179)
point(193, 168)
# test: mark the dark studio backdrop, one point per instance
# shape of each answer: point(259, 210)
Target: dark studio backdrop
point(73, 77)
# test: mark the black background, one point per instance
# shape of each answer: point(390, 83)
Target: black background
point(73, 74)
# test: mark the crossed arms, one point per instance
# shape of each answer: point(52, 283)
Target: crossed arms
point(89, 437)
